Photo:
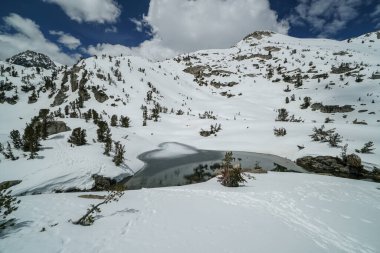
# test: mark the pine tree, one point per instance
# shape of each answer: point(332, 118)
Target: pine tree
point(8, 204)
point(119, 154)
point(16, 139)
point(114, 120)
point(78, 137)
point(103, 131)
point(8, 153)
point(95, 116)
point(108, 146)
point(367, 148)
point(231, 176)
point(31, 140)
point(43, 114)
point(125, 121)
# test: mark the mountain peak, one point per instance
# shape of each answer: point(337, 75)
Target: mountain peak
point(30, 58)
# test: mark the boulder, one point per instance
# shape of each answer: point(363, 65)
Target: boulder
point(100, 96)
point(55, 127)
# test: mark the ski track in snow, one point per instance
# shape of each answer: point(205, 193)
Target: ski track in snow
point(282, 207)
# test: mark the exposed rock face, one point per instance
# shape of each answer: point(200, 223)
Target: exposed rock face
point(32, 59)
point(259, 35)
point(331, 108)
point(350, 168)
point(59, 98)
point(322, 164)
point(196, 70)
point(55, 127)
point(100, 95)
point(106, 184)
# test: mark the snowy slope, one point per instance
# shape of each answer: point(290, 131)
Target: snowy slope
point(247, 118)
point(277, 212)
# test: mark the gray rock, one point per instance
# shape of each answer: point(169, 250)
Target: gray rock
point(100, 96)
point(331, 108)
point(55, 127)
point(59, 98)
point(322, 164)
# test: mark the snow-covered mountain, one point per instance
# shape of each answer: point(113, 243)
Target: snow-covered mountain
point(220, 99)
point(241, 88)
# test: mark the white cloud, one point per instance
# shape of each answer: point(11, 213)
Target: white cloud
point(66, 39)
point(185, 26)
point(97, 11)
point(28, 36)
point(192, 25)
point(326, 17)
point(112, 29)
point(150, 49)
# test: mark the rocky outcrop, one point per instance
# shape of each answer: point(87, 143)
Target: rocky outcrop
point(102, 183)
point(351, 167)
point(55, 127)
point(259, 35)
point(331, 108)
point(100, 95)
point(322, 164)
point(59, 98)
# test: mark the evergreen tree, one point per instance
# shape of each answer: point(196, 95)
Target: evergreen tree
point(367, 148)
point(119, 154)
point(43, 114)
point(95, 116)
point(33, 98)
point(103, 131)
point(31, 140)
point(108, 146)
point(231, 176)
point(8, 204)
point(16, 139)
point(125, 121)
point(114, 120)
point(8, 153)
point(78, 137)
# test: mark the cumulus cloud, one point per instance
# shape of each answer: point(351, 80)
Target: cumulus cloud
point(185, 26)
point(28, 36)
point(150, 49)
point(66, 39)
point(326, 17)
point(96, 11)
point(191, 25)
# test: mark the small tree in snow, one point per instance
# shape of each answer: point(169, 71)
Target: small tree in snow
point(114, 120)
point(16, 139)
point(8, 204)
point(118, 159)
point(231, 176)
point(367, 148)
point(88, 219)
point(78, 137)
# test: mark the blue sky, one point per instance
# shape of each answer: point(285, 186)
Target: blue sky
point(157, 29)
